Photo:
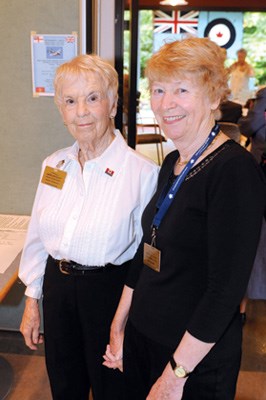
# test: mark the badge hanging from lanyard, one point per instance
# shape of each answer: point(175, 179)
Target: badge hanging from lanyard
point(152, 255)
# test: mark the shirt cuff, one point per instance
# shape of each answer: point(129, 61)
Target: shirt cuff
point(34, 290)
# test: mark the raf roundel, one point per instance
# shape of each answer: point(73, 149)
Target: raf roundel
point(221, 31)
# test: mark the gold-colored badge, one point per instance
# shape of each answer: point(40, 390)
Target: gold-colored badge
point(54, 177)
point(152, 257)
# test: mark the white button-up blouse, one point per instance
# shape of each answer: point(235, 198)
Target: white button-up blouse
point(95, 219)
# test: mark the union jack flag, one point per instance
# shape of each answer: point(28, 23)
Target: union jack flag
point(176, 22)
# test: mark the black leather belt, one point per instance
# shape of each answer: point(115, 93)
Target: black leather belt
point(73, 268)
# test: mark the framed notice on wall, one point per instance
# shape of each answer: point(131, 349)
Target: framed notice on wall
point(47, 53)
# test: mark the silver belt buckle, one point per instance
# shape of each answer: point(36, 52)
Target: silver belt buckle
point(60, 266)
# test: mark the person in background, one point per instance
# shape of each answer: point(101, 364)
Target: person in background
point(84, 230)
point(179, 314)
point(230, 111)
point(253, 125)
point(240, 74)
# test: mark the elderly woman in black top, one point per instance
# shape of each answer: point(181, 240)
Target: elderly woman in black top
point(181, 301)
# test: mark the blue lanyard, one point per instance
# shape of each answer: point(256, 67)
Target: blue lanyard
point(178, 181)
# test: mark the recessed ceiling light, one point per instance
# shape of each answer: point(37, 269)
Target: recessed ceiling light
point(174, 2)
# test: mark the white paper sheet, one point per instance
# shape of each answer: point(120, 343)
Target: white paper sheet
point(13, 230)
point(14, 222)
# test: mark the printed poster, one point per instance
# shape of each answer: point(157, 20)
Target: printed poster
point(48, 52)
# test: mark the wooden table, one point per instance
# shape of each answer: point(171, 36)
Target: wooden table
point(9, 277)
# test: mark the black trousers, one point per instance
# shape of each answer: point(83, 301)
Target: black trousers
point(78, 311)
point(145, 360)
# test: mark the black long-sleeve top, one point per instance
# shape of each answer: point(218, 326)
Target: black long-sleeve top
point(208, 241)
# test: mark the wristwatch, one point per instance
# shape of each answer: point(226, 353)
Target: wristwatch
point(179, 370)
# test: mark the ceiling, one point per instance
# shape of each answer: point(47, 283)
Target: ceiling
point(229, 5)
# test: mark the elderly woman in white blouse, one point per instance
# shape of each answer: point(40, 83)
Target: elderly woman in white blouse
point(84, 230)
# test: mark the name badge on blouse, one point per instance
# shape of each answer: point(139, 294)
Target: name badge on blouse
point(54, 177)
point(152, 257)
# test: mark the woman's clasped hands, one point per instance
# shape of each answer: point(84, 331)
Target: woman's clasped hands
point(113, 357)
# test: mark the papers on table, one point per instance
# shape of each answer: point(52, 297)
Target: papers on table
point(13, 230)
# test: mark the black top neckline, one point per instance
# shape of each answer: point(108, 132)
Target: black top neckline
point(202, 164)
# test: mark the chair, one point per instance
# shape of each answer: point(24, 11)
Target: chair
point(149, 132)
point(231, 130)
